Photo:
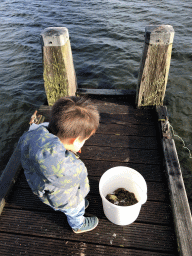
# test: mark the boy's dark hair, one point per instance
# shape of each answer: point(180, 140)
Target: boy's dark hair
point(73, 117)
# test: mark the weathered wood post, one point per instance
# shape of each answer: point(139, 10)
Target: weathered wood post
point(155, 65)
point(58, 69)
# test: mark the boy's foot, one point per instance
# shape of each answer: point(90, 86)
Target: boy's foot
point(86, 203)
point(89, 224)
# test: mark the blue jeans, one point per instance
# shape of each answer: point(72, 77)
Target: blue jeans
point(75, 216)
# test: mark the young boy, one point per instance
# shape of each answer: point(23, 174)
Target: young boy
point(51, 167)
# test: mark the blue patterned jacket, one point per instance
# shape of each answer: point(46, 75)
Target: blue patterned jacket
point(53, 173)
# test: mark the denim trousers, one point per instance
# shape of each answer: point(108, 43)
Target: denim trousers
point(75, 216)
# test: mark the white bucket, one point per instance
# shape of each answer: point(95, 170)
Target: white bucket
point(131, 180)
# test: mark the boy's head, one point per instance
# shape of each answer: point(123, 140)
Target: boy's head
point(74, 120)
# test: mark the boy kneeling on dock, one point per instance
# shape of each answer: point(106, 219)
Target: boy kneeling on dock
point(52, 169)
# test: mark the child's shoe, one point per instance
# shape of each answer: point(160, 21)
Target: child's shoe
point(89, 224)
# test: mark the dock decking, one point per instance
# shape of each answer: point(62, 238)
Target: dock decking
point(126, 137)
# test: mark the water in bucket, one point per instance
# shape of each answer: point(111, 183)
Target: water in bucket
point(131, 180)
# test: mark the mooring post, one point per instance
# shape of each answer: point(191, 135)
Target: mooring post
point(58, 68)
point(155, 63)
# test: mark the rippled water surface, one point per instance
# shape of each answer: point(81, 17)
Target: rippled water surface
point(107, 40)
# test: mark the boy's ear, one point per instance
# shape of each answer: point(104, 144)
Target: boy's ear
point(71, 140)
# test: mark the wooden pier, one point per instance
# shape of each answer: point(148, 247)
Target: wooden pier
point(128, 136)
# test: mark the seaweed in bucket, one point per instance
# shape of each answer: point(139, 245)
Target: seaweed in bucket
point(122, 197)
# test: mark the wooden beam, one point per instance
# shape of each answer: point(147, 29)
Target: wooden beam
point(13, 168)
point(9, 176)
point(84, 91)
point(58, 68)
point(155, 65)
point(181, 210)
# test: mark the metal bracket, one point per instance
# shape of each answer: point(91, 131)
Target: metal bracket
point(166, 128)
point(35, 119)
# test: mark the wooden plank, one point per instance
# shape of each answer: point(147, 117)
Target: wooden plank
point(97, 168)
point(110, 106)
point(126, 119)
point(102, 140)
point(113, 106)
point(129, 116)
point(132, 130)
point(157, 191)
point(121, 155)
point(151, 212)
point(85, 91)
point(178, 196)
point(149, 172)
point(12, 244)
point(54, 225)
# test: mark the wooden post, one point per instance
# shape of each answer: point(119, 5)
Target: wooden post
point(58, 69)
point(155, 65)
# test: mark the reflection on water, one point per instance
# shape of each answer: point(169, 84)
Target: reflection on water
point(107, 40)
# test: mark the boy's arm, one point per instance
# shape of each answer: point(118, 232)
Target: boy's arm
point(84, 182)
point(73, 182)
point(65, 172)
point(82, 191)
